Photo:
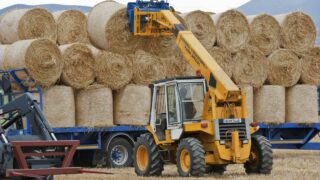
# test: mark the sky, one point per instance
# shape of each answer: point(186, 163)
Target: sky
point(180, 5)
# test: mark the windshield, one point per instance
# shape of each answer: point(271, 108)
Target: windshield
point(191, 95)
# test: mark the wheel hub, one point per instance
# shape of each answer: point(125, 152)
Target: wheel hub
point(185, 160)
point(142, 157)
point(119, 155)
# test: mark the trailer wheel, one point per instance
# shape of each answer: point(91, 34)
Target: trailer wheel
point(260, 160)
point(120, 153)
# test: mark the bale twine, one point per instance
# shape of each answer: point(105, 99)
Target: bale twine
point(302, 104)
point(108, 28)
point(298, 31)
point(269, 104)
point(250, 67)
point(232, 30)
point(264, 33)
point(2, 56)
point(78, 70)
point(285, 68)
point(59, 106)
point(41, 57)
point(71, 26)
point(132, 105)
point(113, 70)
point(202, 26)
point(311, 67)
point(94, 107)
point(174, 66)
point(248, 90)
point(22, 24)
point(146, 68)
point(223, 58)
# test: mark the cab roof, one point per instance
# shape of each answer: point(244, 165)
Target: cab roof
point(177, 79)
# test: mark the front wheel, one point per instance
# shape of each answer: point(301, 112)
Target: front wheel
point(260, 159)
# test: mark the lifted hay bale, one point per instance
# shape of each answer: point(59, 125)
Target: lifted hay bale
point(41, 57)
point(232, 30)
point(132, 105)
point(250, 67)
point(113, 70)
point(223, 58)
point(94, 107)
point(264, 33)
point(20, 24)
point(285, 68)
point(78, 70)
point(302, 104)
point(269, 104)
point(298, 31)
point(58, 106)
point(249, 97)
point(72, 26)
point(311, 67)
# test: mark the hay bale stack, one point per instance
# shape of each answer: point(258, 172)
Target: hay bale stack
point(20, 24)
point(269, 104)
point(113, 70)
point(146, 68)
point(71, 27)
point(250, 67)
point(202, 26)
point(174, 66)
point(223, 58)
point(248, 90)
point(108, 28)
point(232, 30)
point(78, 70)
point(311, 67)
point(94, 107)
point(302, 104)
point(41, 57)
point(264, 33)
point(285, 68)
point(298, 31)
point(59, 107)
point(2, 56)
point(132, 105)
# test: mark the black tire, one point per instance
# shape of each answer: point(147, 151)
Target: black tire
point(196, 153)
point(216, 169)
point(154, 166)
point(263, 162)
point(119, 153)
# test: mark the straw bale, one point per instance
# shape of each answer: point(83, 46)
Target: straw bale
point(78, 70)
point(94, 107)
point(302, 104)
point(285, 68)
point(59, 106)
point(174, 66)
point(311, 67)
point(71, 26)
point(20, 24)
point(223, 58)
point(248, 90)
point(2, 56)
point(269, 104)
point(132, 105)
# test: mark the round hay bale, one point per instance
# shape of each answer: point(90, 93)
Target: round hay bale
point(248, 90)
point(302, 104)
point(232, 30)
point(2, 56)
point(20, 24)
point(71, 26)
point(41, 57)
point(264, 33)
point(311, 67)
point(113, 70)
point(250, 67)
point(298, 31)
point(202, 26)
point(146, 68)
point(108, 28)
point(94, 107)
point(223, 58)
point(269, 104)
point(285, 68)
point(174, 66)
point(78, 69)
point(132, 105)
point(59, 106)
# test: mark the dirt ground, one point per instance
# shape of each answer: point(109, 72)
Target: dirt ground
point(288, 164)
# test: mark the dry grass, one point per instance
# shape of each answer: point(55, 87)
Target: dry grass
point(288, 164)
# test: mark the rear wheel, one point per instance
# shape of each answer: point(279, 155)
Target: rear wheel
point(260, 159)
point(147, 157)
point(216, 169)
point(120, 153)
point(190, 158)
